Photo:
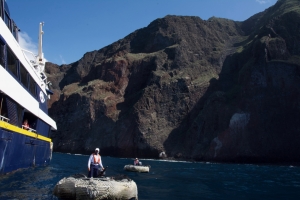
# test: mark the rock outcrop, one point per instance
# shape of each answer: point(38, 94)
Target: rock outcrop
point(213, 90)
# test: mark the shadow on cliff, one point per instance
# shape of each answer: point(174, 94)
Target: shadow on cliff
point(74, 128)
point(127, 123)
point(181, 144)
point(264, 89)
point(174, 145)
point(70, 75)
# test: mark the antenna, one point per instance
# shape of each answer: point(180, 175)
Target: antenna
point(40, 57)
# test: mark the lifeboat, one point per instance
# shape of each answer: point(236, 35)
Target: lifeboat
point(137, 168)
point(80, 187)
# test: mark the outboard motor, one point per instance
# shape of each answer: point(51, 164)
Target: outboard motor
point(102, 172)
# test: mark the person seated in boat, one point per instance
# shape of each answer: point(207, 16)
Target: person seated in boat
point(137, 162)
point(26, 125)
point(95, 163)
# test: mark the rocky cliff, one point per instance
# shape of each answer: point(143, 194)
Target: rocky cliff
point(207, 90)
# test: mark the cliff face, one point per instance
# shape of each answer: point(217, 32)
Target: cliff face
point(215, 90)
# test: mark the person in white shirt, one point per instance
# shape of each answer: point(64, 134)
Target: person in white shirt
point(95, 163)
point(137, 162)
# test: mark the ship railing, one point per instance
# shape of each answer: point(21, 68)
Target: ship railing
point(2, 118)
point(28, 129)
point(38, 67)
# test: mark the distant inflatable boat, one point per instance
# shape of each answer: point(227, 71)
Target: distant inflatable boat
point(81, 187)
point(137, 168)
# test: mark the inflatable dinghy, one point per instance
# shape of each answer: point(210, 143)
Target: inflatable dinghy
point(137, 168)
point(79, 186)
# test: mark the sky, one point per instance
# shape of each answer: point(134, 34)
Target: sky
point(74, 27)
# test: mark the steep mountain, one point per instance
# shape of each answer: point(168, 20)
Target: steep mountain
point(207, 90)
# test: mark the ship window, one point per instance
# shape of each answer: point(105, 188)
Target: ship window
point(11, 62)
point(32, 120)
point(15, 30)
point(1, 9)
point(24, 73)
point(3, 107)
point(12, 111)
point(32, 86)
point(7, 20)
point(20, 111)
point(2, 54)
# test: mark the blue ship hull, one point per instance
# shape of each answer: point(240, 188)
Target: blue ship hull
point(21, 151)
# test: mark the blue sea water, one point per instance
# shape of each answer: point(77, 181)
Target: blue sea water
point(166, 179)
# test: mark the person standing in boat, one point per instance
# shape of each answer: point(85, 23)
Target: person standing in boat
point(137, 162)
point(95, 163)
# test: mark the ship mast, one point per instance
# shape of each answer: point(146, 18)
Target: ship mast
point(40, 57)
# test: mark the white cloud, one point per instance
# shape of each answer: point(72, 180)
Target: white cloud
point(263, 1)
point(62, 59)
point(26, 43)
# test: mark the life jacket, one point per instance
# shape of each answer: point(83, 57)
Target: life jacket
point(96, 158)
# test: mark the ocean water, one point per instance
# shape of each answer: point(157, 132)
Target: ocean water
point(166, 179)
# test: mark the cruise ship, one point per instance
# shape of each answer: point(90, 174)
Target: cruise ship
point(25, 125)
